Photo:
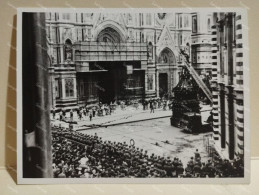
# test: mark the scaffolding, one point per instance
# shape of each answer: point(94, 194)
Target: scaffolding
point(92, 51)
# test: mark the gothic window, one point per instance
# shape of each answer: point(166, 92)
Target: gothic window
point(69, 87)
point(180, 21)
point(194, 24)
point(48, 16)
point(186, 21)
point(68, 50)
point(150, 82)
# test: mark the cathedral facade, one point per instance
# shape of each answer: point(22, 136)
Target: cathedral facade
point(113, 56)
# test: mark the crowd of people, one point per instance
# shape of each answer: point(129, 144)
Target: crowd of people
point(156, 103)
point(77, 155)
point(85, 112)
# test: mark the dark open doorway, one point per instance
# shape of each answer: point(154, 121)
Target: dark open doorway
point(163, 85)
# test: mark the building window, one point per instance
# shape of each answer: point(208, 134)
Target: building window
point(148, 19)
point(57, 89)
point(186, 21)
point(180, 21)
point(150, 82)
point(48, 16)
point(194, 24)
point(208, 25)
point(66, 16)
point(69, 87)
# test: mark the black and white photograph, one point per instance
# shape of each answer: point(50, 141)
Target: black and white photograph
point(132, 96)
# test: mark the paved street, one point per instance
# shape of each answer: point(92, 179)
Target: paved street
point(146, 129)
point(147, 133)
point(130, 114)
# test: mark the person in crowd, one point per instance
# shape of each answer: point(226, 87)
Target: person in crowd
point(151, 106)
point(71, 114)
point(60, 115)
point(94, 111)
point(197, 155)
point(91, 115)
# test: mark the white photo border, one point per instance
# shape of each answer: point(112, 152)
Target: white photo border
point(244, 180)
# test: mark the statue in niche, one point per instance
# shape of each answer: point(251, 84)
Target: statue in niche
point(68, 50)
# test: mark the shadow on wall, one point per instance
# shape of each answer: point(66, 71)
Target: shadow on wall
point(10, 134)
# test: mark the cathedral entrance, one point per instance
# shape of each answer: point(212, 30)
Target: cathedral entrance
point(117, 83)
point(163, 85)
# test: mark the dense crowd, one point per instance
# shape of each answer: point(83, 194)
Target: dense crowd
point(76, 155)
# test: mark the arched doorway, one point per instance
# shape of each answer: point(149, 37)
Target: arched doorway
point(166, 63)
point(109, 35)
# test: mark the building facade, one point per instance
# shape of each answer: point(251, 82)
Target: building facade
point(201, 42)
point(227, 80)
point(106, 57)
